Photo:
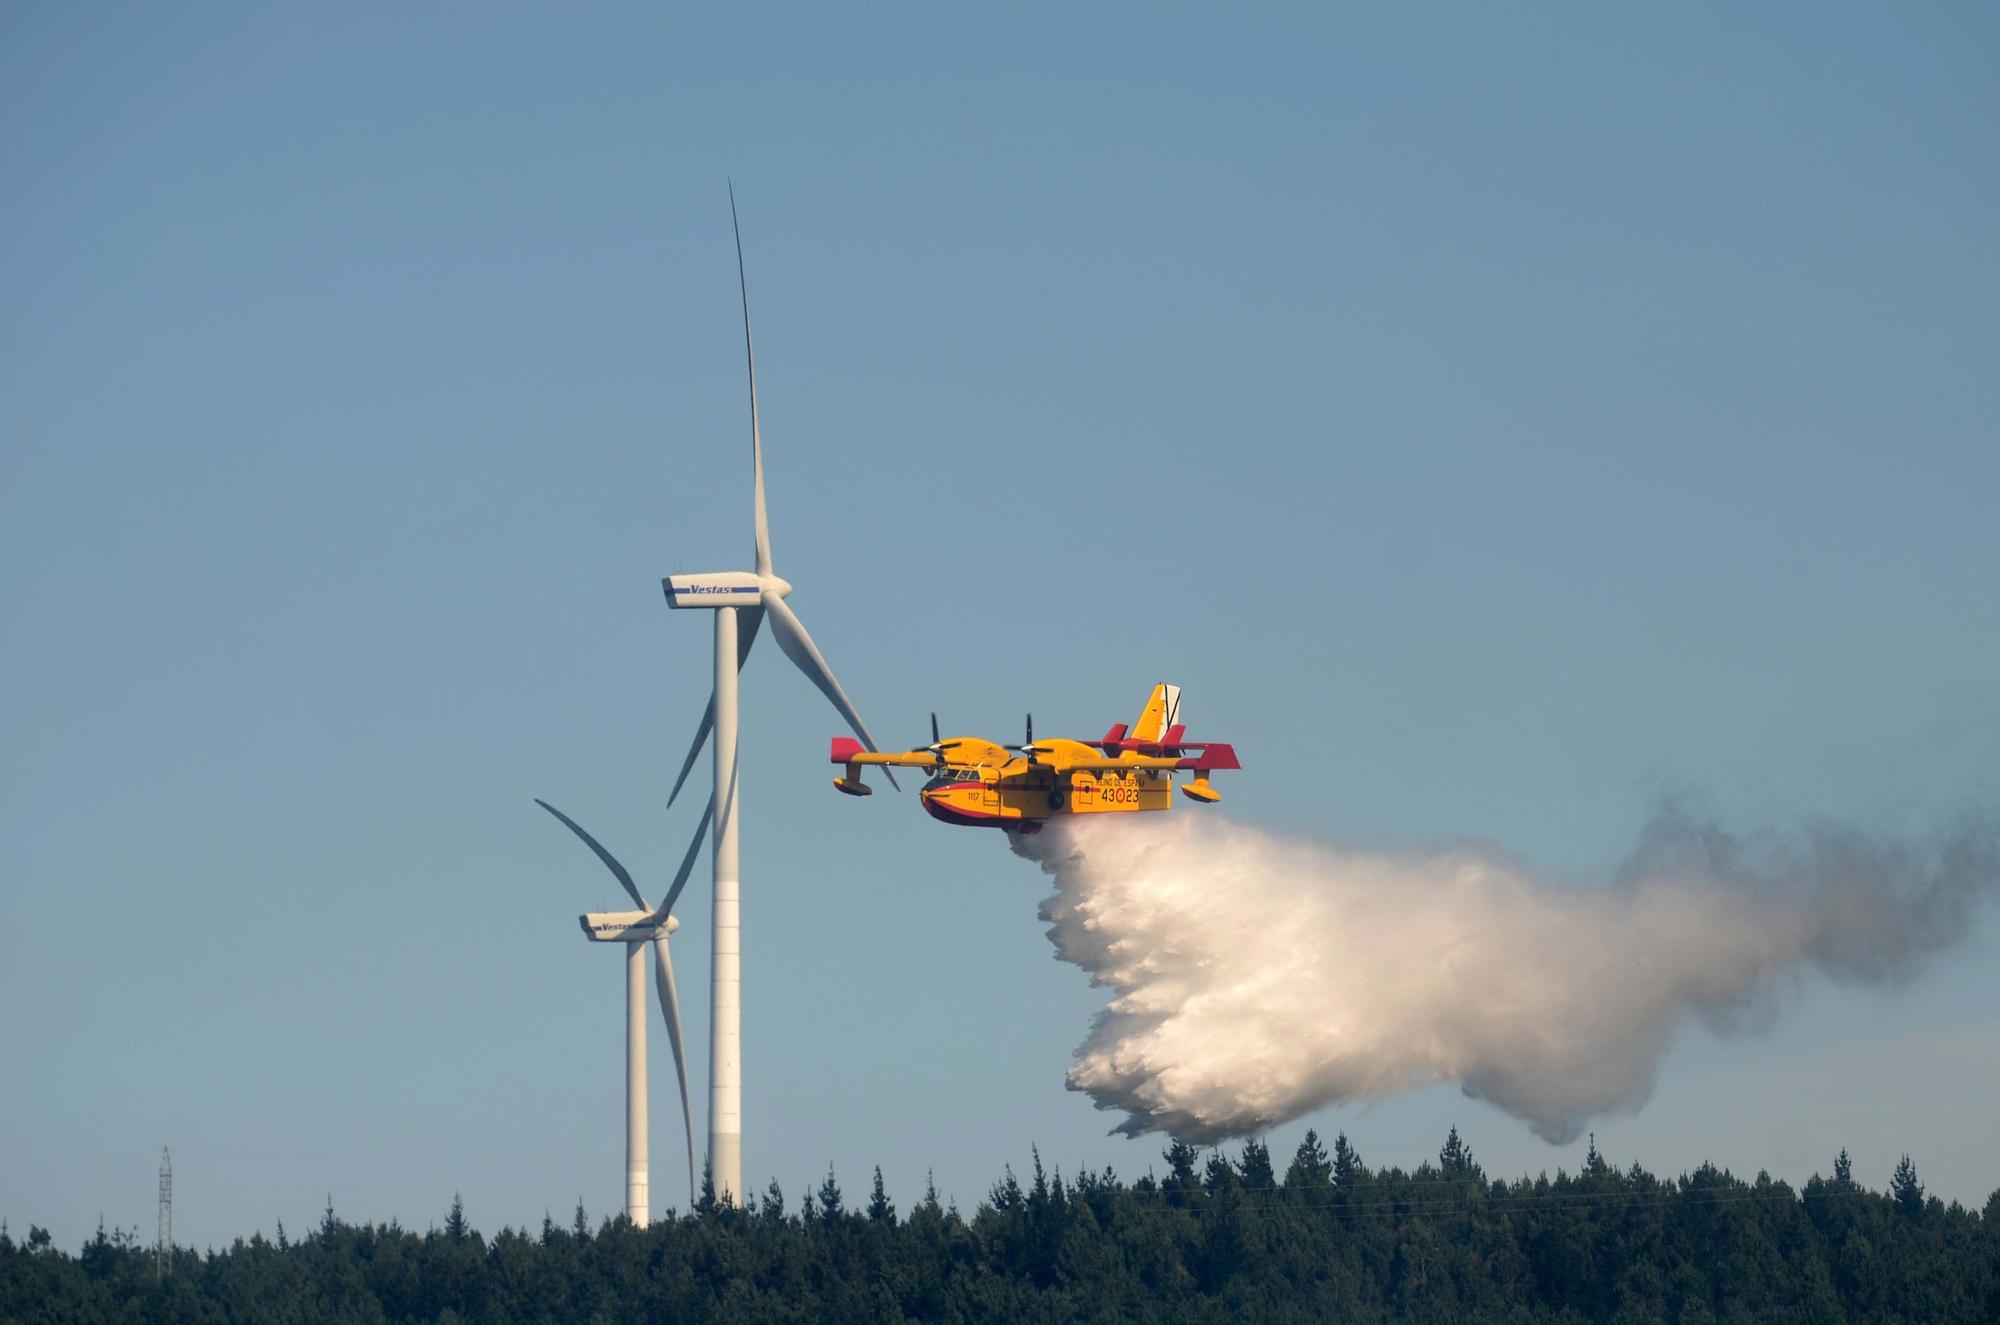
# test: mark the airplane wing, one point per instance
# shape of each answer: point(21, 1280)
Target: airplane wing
point(914, 759)
point(1211, 756)
point(847, 750)
point(1099, 765)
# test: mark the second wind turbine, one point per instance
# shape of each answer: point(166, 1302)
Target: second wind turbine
point(741, 600)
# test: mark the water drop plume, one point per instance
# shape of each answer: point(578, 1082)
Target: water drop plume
point(1255, 977)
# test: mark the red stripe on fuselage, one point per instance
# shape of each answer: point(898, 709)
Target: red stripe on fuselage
point(937, 808)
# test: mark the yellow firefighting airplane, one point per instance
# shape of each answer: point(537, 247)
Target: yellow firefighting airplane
point(979, 784)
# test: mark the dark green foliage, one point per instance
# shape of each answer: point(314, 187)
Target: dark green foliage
point(880, 1209)
point(773, 1209)
point(1310, 1170)
point(1347, 1166)
point(1255, 1167)
point(1180, 1184)
point(829, 1198)
point(1214, 1239)
point(1907, 1191)
point(1456, 1157)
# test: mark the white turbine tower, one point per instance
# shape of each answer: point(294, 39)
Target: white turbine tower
point(741, 600)
point(636, 930)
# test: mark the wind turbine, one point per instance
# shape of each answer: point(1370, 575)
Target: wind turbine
point(637, 929)
point(741, 601)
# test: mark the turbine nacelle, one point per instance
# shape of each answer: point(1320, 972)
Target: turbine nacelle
point(626, 926)
point(724, 588)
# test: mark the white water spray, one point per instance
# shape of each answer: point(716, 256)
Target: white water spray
point(1255, 978)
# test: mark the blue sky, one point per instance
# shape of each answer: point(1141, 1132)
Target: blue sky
point(1493, 421)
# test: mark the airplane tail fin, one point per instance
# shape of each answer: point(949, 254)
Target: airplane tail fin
point(1163, 710)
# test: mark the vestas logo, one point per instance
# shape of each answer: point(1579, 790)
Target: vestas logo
point(619, 927)
point(719, 589)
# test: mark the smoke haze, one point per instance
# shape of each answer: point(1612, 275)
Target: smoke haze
point(1255, 978)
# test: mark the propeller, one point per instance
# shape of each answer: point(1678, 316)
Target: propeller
point(663, 962)
point(1028, 747)
point(937, 747)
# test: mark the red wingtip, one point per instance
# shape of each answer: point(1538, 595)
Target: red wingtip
point(1219, 756)
point(844, 749)
point(1214, 756)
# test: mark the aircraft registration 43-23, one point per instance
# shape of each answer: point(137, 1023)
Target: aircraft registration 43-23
point(979, 783)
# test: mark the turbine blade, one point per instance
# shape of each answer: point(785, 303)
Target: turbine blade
point(670, 1008)
point(694, 751)
point(748, 620)
point(791, 635)
point(687, 861)
point(610, 861)
point(756, 432)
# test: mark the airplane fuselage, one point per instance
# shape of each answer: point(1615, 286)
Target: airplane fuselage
point(1018, 793)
